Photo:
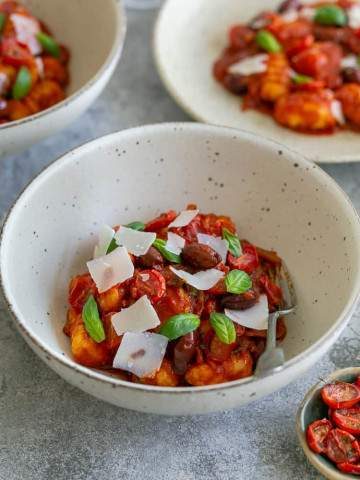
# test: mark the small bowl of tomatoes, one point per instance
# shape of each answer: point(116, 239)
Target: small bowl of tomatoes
point(328, 425)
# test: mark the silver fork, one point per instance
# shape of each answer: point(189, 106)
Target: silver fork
point(273, 357)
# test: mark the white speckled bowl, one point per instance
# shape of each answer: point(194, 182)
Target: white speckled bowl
point(277, 199)
point(313, 408)
point(197, 32)
point(94, 31)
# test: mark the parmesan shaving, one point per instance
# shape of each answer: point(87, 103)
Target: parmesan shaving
point(175, 243)
point(184, 218)
point(111, 269)
point(139, 317)
point(250, 65)
point(216, 243)
point(203, 280)
point(136, 242)
point(255, 317)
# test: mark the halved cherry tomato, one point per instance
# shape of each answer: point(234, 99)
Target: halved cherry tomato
point(341, 446)
point(296, 45)
point(357, 381)
point(14, 54)
point(316, 434)
point(272, 291)
point(347, 467)
point(340, 395)
point(175, 301)
point(348, 419)
point(161, 221)
point(150, 283)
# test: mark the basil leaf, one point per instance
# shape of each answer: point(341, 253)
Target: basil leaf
point(233, 241)
point(49, 44)
point(112, 246)
point(136, 226)
point(22, 85)
point(237, 281)
point(92, 320)
point(180, 325)
point(331, 15)
point(159, 244)
point(301, 79)
point(224, 327)
point(2, 21)
point(268, 42)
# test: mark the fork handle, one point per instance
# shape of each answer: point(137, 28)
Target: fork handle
point(271, 334)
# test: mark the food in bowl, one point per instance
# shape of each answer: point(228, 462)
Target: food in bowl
point(177, 301)
point(336, 436)
point(34, 70)
point(299, 64)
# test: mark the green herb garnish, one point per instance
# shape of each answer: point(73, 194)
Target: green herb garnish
point(233, 241)
point(22, 85)
point(180, 325)
point(301, 79)
point(92, 320)
point(159, 244)
point(140, 226)
point(224, 327)
point(49, 44)
point(238, 281)
point(2, 21)
point(268, 42)
point(331, 15)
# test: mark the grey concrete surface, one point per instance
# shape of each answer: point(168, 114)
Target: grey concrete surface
point(50, 430)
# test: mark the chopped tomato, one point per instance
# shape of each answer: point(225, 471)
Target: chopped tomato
point(357, 381)
point(161, 221)
point(340, 395)
point(175, 301)
point(296, 45)
point(240, 36)
point(14, 54)
point(316, 433)
point(348, 419)
point(150, 283)
point(247, 262)
point(347, 467)
point(272, 291)
point(80, 288)
point(341, 447)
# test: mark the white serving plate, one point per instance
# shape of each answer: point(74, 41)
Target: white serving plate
point(189, 37)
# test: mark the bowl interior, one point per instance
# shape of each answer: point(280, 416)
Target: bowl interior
point(313, 408)
point(277, 200)
point(87, 27)
point(188, 74)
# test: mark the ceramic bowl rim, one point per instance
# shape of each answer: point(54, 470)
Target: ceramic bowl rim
point(312, 456)
point(112, 57)
point(71, 155)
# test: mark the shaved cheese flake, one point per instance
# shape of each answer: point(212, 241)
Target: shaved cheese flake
point(353, 14)
point(255, 317)
point(337, 111)
point(26, 29)
point(349, 61)
point(141, 353)
point(307, 13)
point(202, 280)
point(216, 243)
point(111, 269)
point(175, 243)
point(184, 218)
point(139, 317)
point(250, 65)
point(40, 66)
point(135, 241)
point(290, 16)
point(105, 236)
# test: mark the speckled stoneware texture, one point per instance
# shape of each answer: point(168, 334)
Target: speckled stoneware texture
point(313, 408)
point(276, 198)
point(93, 60)
point(188, 74)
